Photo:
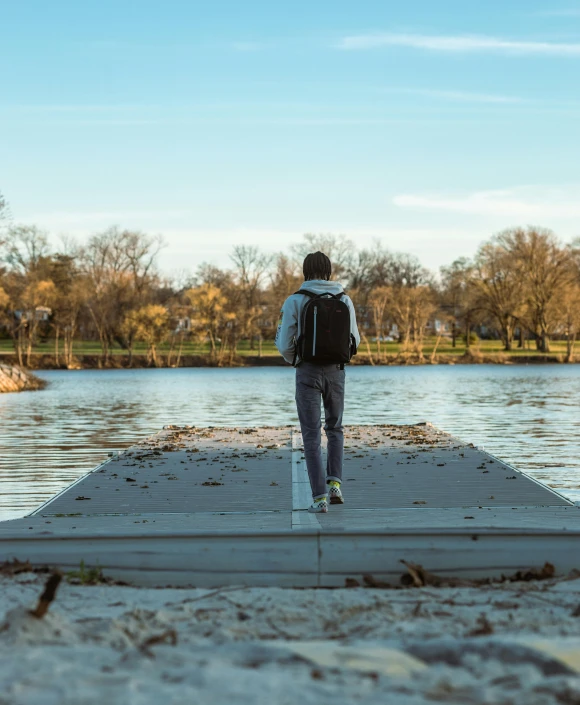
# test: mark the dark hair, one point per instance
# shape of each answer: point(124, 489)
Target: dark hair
point(317, 266)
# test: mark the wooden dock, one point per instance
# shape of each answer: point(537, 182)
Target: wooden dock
point(223, 506)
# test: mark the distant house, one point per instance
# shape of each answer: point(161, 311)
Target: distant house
point(183, 325)
point(264, 318)
point(40, 313)
point(437, 327)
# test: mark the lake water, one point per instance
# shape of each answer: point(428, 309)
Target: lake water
point(527, 415)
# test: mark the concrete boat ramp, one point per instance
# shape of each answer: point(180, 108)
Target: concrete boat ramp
point(224, 506)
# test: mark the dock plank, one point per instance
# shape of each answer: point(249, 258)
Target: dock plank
point(219, 506)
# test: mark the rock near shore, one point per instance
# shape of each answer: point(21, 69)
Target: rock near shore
point(13, 379)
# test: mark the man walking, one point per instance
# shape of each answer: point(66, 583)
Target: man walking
point(317, 333)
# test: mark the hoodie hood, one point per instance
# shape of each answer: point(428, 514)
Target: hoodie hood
point(321, 286)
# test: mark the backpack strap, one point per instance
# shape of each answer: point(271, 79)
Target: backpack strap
point(308, 293)
point(311, 295)
point(317, 296)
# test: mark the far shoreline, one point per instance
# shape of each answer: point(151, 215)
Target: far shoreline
point(42, 361)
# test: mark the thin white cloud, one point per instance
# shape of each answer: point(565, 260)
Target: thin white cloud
point(529, 202)
point(459, 44)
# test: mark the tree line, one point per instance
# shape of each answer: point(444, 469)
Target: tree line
point(523, 285)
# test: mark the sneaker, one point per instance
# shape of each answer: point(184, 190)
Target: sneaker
point(319, 506)
point(334, 493)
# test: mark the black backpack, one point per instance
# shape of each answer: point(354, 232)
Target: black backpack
point(325, 336)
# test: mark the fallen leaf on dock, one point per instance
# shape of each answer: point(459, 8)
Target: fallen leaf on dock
point(352, 583)
point(372, 582)
point(548, 571)
point(14, 567)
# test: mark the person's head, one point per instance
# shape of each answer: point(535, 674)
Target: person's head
point(316, 266)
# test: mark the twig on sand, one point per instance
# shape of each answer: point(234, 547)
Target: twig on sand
point(47, 596)
point(280, 632)
point(169, 636)
point(232, 588)
point(417, 610)
point(484, 627)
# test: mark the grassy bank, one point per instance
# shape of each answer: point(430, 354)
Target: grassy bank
point(88, 355)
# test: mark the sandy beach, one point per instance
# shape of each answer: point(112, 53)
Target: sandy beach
point(511, 642)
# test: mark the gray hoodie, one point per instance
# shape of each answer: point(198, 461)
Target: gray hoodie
point(290, 315)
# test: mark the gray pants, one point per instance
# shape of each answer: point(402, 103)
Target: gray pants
point(313, 384)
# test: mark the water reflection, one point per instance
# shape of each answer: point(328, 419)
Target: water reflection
point(49, 438)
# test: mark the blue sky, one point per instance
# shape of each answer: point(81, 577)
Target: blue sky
point(429, 124)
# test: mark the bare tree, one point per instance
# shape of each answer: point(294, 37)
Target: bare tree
point(74, 303)
point(120, 266)
point(499, 288)
point(543, 267)
point(379, 300)
point(141, 252)
point(210, 274)
point(251, 266)
point(458, 300)
point(575, 256)
point(72, 293)
point(407, 270)
point(178, 310)
point(412, 308)
point(38, 294)
point(370, 269)
point(5, 308)
point(4, 215)
point(26, 249)
point(338, 248)
point(251, 269)
point(285, 278)
point(569, 315)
